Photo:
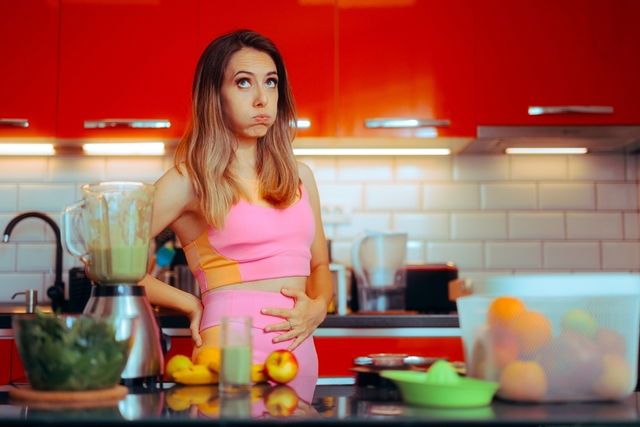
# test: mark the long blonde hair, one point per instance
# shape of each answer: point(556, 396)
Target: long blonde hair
point(207, 148)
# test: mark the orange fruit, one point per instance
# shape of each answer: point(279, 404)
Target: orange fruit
point(503, 309)
point(615, 380)
point(524, 381)
point(532, 329)
point(210, 357)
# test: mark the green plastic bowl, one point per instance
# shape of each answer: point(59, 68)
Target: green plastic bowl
point(466, 393)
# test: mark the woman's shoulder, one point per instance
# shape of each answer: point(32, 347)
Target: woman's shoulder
point(175, 182)
point(305, 173)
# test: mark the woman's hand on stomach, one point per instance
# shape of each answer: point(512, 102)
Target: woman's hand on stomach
point(298, 322)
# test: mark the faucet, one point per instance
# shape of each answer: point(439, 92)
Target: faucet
point(55, 292)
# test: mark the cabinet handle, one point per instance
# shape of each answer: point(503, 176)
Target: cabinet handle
point(14, 123)
point(127, 123)
point(404, 122)
point(570, 109)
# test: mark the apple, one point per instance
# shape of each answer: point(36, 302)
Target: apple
point(281, 366)
point(281, 401)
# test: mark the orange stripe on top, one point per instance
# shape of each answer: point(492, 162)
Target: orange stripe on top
point(208, 266)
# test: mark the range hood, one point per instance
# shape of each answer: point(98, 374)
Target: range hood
point(597, 139)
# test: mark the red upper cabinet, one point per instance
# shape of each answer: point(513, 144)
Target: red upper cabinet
point(304, 32)
point(126, 60)
point(29, 71)
point(551, 53)
point(406, 59)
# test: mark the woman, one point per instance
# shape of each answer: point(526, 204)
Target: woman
point(246, 213)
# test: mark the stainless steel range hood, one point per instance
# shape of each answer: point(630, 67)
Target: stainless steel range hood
point(597, 139)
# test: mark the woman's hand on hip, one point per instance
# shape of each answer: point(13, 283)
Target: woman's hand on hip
point(298, 322)
point(195, 314)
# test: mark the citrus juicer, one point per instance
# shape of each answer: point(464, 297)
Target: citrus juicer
point(112, 225)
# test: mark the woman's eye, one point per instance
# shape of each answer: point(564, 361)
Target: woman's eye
point(243, 83)
point(272, 82)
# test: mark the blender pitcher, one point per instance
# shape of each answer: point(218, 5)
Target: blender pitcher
point(113, 226)
point(114, 221)
point(378, 261)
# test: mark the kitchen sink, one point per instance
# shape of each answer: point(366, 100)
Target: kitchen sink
point(13, 308)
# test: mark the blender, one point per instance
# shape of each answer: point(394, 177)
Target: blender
point(112, 225)
point(378, 261)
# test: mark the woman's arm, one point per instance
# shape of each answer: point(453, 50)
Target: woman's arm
point(311, 305)
point(173, 196)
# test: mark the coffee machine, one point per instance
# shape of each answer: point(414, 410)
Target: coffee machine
point(110, 231)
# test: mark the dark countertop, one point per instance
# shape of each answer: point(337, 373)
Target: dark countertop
point(173, 320)
point(351, 405)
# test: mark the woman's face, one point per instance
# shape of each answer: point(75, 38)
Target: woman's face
point(250, 93)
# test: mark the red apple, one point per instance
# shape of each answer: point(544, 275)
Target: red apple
point(281, 401)
point(281, 366)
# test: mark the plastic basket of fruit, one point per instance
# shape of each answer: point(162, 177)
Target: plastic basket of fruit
point(543, 345)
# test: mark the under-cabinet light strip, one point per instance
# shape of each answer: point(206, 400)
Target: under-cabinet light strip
point(27, 149)
point(546, 150)
point(124, 149)
point(371, 151)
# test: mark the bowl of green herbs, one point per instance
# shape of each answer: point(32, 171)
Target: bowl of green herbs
point(73, 352)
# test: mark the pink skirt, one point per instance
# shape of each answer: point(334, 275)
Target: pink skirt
point(249, 303)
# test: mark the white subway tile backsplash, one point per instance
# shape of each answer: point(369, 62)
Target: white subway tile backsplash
point(451, 196)
point(616, 255)
point(479, 225)
point(571, 255)
point(27, 230)
point(617, 196)
point(134, 168)
point(600, 167)
point(415, 252)
point(513, 255)
point(324, 168)
point(32, 257)
point(362, 222)
point(364, 169)
point(538, 167)
point(45, 197)
point(508, 196)
point(23, 169)
point(631, 171)
point(536, 225)
point(341, 252)
point(566, 196)
point(594, 225)
point(346, 195)
point(435, 168)
point(7, 257)
point(392, 197)
point(8, 197)
point(18, 282)
point(480, 168)
point(433, 226)
point(77, 169)
point(466, 255)
point(631, 225)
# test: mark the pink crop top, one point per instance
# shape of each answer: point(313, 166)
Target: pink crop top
point(257, 242)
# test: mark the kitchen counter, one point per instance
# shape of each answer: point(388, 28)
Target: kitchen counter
point(175, 324)
point(174, 405)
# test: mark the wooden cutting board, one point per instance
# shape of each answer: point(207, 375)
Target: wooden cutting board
point(69, 399)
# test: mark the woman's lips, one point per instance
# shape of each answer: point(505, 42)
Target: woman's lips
point(261, 118)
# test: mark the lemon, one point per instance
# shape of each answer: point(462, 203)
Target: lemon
point(209, 356)
point(178, 363)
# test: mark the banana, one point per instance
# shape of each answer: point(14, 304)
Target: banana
point(196, 374)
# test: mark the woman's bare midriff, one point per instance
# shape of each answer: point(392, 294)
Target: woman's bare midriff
point(211, 336)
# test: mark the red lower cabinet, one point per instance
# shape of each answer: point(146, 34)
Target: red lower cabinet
point(5, 360)
point(336, 354)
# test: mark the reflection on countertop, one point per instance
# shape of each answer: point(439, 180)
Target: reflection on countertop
point(171, 404)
